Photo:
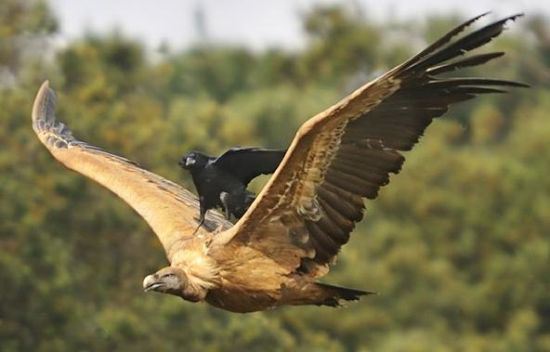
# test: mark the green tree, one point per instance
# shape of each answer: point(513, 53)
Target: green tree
point(24, 24)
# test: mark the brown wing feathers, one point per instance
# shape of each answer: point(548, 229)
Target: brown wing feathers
point(369, 148)
point(168, 208)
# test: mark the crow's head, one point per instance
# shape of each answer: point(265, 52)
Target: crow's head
point(194, 161)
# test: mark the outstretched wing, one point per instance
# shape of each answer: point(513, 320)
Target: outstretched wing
point(308, 208)
point(248, 163)
point(169, 209)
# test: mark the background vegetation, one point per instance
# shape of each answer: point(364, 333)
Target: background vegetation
point(458, 246)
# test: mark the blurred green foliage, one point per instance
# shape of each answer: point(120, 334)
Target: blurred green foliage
point(458, 246)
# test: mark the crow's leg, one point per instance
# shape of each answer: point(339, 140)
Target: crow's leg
point(245, 201)
point(224, 198)
point(218, 229)
point(249, 199)
point(202, 215)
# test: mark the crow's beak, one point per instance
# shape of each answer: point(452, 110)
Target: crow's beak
point(150, 283)
point(189, 162)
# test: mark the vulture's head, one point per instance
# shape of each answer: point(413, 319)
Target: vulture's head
point(194, 161)
point(167, 280)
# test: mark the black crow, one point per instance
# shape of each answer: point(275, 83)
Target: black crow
point(221, 182)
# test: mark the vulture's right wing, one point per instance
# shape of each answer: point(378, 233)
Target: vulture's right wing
point(310, 205)
point(169, 209)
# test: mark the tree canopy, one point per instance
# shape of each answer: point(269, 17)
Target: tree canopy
point(457, 247)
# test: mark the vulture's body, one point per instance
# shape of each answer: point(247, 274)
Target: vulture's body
point(307, 210)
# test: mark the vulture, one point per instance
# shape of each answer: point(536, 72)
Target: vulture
point(222, 181)
point(292, 232)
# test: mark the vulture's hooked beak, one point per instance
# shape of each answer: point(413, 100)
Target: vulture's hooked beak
point(150, 283)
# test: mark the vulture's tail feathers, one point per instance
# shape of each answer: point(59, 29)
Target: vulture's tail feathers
point(334, 296)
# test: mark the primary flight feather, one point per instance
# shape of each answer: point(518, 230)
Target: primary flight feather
point(291, 233)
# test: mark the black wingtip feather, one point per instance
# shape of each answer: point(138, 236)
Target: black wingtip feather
point(470, 81)
point(444, 39)
point(474, 60)
point(443, 49)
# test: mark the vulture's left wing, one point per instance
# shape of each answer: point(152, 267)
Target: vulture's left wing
point(308, 208)
point(168, 208)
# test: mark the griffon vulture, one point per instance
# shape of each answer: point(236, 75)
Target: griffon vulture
point(294, 229)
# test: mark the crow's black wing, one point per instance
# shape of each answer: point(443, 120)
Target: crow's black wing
point(248, 163)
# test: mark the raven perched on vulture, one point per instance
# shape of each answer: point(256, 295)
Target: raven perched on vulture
point(290, 235)
point(222, 181)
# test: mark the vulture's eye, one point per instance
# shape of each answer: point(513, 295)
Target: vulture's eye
point(167, 275)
